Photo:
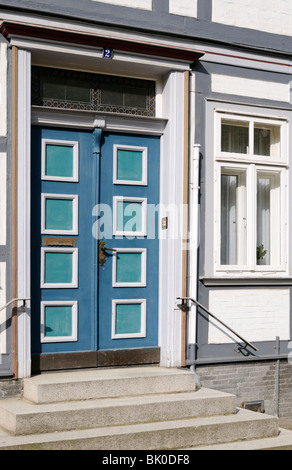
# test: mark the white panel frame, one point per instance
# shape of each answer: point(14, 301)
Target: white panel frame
point(69, 197)
point(125, 233)
point(3, 313)
point(143, 282)
point(3, 89)
point(3, 197)
point(23, 211)
point(65, 143)
point(60, 339)
point(130, 148)
point(74, 283)
point(142, 333)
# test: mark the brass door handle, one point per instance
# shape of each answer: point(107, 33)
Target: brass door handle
point(102, 249)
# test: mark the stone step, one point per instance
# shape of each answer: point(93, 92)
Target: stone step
point(166, 435)
point(281, 442)
point(23, 417)
point(106, 383)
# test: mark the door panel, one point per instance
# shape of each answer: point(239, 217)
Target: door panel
point(94, 241)
point(130, 187)
point(64, 253)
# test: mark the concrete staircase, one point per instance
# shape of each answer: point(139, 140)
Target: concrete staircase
point(146, 408)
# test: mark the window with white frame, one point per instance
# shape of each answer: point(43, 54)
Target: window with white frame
point(251, 193)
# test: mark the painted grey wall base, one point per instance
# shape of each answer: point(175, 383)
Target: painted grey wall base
point(252, 382)
point(10, 389)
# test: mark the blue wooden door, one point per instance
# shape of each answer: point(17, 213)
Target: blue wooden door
point(94, 241)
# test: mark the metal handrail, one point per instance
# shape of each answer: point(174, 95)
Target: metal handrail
point(11, 302)
point(247, 343)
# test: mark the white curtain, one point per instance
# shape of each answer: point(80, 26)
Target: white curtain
point(229, 184)
point(263, 221)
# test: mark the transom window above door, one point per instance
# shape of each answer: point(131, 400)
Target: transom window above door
point(67, 89)
point(251, 174)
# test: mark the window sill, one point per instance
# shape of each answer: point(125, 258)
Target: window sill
point(246, 281)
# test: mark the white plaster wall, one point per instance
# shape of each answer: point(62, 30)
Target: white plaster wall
point(255, 314)
point(143, 4)
point(3, 89)
point(3, 312)
point(263, 15)
point(183, 8)
point(3, 177)
point(247, 87)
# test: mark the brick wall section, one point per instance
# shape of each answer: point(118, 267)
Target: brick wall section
point(10, 388)
point(286, 389)
point(252, 382)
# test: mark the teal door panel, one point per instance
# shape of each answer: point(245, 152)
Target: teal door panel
point(64, 278)
point(87, 295)
point(130, 275)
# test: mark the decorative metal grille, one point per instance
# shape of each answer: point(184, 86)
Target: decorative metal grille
point(65, 89)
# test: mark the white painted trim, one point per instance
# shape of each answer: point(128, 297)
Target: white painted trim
point(147, 66)
point(69, 197)
point(130, 148)
point(170, 240)
point(142, 333)
point(194, 220)
point(3, 313)
point(65, 143)
point(71, 285)
point(85, 120)
point(23, 211)
point(134, 200)
point(143, 282)
point(60, 339)
point(3, 198)
point(3, 89)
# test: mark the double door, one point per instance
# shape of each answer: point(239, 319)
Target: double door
point(94, 238)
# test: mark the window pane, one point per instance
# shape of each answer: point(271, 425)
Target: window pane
point(58, 268)
point(234, 136)
point(129, 165)
point(267, 140)
point(129, 267)
point(128, 319)
point(129, 216)
point(93, 92)
point(268, 219)
point(109, 95)
point(77, 90)
point(53, 87)
point(233, 219)
point(58, 321)
point(59, 161)
point(59, 214)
